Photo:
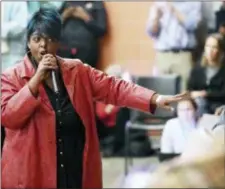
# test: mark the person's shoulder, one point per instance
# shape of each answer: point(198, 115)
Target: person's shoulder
point(69, 62)
point(14, 70)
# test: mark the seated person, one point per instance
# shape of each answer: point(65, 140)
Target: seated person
point(207, 82)
point(203, 171)
point(111, 120)
point(177, 130)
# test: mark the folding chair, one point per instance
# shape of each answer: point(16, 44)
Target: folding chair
point(166, 85)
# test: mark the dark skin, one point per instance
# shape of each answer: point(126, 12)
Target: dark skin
point(43, 49)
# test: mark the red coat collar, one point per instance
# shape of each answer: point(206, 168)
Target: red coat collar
point(28, 70)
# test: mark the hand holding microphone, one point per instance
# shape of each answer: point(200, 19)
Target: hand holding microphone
point(47, 64)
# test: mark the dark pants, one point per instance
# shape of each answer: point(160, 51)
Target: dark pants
point(113, 137)
point(119, 133)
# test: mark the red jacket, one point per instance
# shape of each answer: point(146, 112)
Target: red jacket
point(109, 119)
point(29, 152)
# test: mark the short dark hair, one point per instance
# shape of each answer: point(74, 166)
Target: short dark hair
point(47, 21)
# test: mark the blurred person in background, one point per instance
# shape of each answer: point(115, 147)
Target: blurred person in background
point(220, 19)
point(219, 110)
point(14, 18)
point(203, 171)
point(34, 6)
point(201, 165)
point(112, 119)
point(222, 6)
point(172, 26)
point(51, 139)
point(209, 9)
point(207, 82)
point(177, 131)
point(222, 31)
point(84, 23)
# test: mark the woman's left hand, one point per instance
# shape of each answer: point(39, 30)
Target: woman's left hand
point(165, 101)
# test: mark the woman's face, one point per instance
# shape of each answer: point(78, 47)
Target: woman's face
point(186, 111)
point(40, 45)
point(212, 50)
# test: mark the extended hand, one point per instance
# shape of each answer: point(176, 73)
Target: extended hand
point(165, 101)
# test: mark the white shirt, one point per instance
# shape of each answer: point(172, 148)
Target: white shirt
point(175, 136)
point(173, 34)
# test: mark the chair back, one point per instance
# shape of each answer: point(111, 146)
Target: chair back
point(163, 84)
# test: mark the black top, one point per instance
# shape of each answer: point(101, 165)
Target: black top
point(70, 139)
point(215, 88)
point(83, 36)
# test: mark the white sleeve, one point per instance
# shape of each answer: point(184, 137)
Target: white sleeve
point(166, 139)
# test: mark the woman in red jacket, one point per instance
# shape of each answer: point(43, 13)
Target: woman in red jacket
point(51, 140)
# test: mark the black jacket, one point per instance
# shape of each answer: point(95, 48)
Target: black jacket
point(216, 87)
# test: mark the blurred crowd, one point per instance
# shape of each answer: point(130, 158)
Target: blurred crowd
point(189, 40)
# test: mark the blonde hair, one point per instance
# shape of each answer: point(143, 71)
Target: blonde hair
point(220, 40)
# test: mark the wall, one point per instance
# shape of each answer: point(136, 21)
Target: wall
point(127, 42)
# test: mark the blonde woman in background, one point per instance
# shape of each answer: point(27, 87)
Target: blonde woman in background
point(207, 82)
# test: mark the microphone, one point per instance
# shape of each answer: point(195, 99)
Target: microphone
point(54, 81)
